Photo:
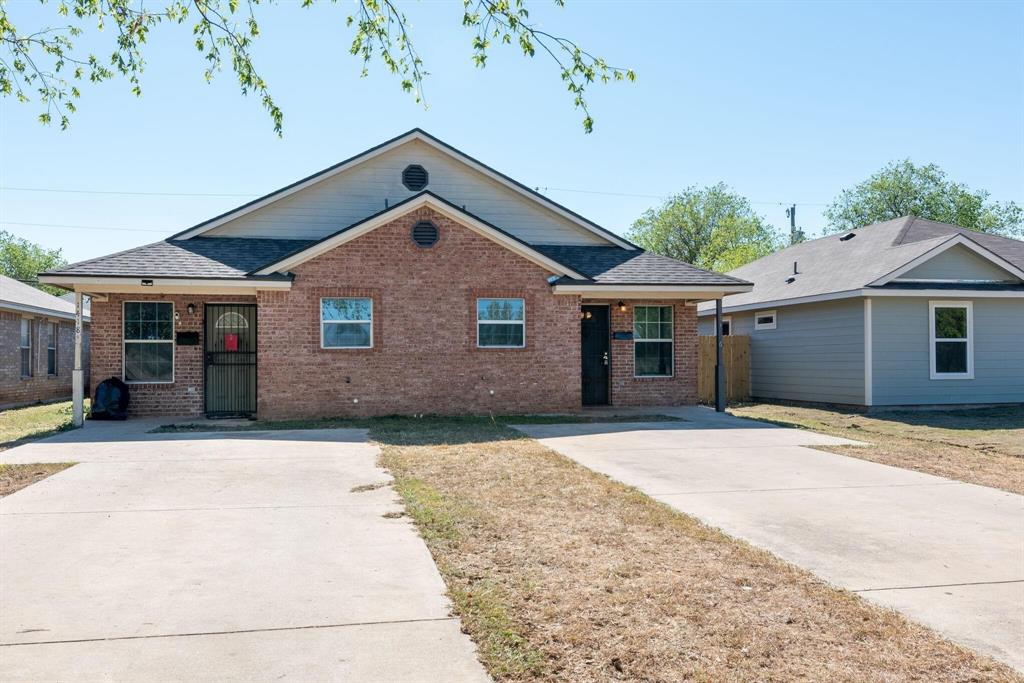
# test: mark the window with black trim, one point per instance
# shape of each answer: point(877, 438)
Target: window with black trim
point(501, 323)
point(148, 341)
point(51, 349)
point(652, 341)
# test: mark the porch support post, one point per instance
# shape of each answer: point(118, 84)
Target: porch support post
point(77, 375)
point(719, 360)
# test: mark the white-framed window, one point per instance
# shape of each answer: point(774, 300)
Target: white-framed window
point(726, 325)
point(951, 339)
point(501, 323)
point(346, 323)
point(148, 342)
point(51, 348)
point(652, 341)
point(765, 320)
point(25, 346)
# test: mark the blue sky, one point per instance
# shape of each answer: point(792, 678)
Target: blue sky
point(785, 102)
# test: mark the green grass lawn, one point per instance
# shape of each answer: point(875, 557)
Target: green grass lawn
point(18, 425)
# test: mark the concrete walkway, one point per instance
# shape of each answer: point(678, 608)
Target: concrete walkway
point(223, 557)
point(948, 554)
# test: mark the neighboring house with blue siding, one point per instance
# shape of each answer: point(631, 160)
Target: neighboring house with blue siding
point(905, 312)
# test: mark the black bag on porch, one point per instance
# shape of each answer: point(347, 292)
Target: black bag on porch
point(110, 401)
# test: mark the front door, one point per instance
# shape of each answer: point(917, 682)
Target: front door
point(230, 351)
point(594, 337)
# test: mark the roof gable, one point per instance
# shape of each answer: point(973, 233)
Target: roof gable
point(361, 186)
point(428, 199)
point(955, 254)
point(875, 255)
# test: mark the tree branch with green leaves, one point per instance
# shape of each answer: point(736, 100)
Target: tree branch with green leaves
point(45, 65)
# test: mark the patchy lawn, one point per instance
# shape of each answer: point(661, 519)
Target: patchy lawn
point(18, 425)
point(559, 573)
point(978, 445)
point(16, 477)
point(366, 423)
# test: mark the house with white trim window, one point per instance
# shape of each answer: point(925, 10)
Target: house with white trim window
point(905, 312)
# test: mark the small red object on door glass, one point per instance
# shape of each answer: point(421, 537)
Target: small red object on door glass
point(231, 342)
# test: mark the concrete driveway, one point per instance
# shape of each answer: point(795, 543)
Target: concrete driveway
point(947, 554)
point(232, 556)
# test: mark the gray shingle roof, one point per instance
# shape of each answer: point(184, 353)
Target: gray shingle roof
point(830, 265)
point(614, 265)
point(20, 296)
point(205, 257)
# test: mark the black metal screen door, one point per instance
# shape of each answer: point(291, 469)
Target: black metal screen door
point(230, 351)
point(594, 337)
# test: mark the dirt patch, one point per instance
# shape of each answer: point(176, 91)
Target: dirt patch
point(16, 477)
point(560, 574)
point(982, 446)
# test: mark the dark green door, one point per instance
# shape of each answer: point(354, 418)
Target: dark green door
point(230, 351)
point(595, 341)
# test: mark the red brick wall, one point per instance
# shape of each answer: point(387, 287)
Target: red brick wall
point(424, 357)
point(182, 397)
point(681, 388)
point(15, 389)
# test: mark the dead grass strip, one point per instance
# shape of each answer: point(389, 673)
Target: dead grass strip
point(561, 574)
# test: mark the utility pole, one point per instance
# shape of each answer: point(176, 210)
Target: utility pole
point(794, 234)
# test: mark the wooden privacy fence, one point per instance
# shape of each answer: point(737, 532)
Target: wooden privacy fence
point(736, 352)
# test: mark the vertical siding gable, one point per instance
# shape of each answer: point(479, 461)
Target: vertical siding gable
point(361, 191)
point(958, 263)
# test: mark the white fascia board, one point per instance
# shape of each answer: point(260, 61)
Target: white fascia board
point(775, 303)
point(610, 291)
point(400, 210)
point(161, 285)
point(966, 293)
point(956, 240)
point(366, 156)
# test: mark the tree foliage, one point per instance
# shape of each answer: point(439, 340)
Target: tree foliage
point(903, 188)
point(44, 64)
point(24, 260)
point(711, 227)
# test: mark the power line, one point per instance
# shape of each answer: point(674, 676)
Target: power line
point(85, 227)
point(125, 192)
point(230, 194)
point(660, 196)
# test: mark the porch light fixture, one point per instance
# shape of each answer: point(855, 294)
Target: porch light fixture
point(191, 308)
point(622, 306)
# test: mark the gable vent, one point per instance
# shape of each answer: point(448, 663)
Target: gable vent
point(424, 234)
point(415, 177)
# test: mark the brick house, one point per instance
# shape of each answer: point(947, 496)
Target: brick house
point(37, 345)
point(410, 278)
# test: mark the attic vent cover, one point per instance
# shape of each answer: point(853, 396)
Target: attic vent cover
point(424, 234)
point(415, 177)
point(850, 236)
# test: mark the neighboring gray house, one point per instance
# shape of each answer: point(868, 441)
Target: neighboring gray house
point(905, 312)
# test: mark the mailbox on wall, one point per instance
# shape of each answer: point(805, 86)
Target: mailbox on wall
point(187, 338)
